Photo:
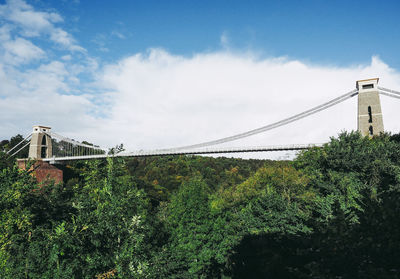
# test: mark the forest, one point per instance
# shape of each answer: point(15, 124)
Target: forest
point(332, 212)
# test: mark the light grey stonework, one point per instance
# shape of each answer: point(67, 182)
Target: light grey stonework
point(370, 121)
point(40, 146)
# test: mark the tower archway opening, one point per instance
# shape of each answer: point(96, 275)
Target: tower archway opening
point(43, 150)
point(369, 114)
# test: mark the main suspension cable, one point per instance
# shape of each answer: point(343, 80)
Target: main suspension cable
point(27, 137)
point(390, 95)
point(388, 90)
point(20, 149)
point(273, 125)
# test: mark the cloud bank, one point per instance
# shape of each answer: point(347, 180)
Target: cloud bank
point(161, 100)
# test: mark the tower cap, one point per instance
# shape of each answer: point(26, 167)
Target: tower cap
point(366, 81)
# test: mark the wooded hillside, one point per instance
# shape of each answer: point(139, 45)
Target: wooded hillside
point(333, 212)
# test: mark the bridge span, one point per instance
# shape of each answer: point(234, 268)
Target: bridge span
point(149, 153)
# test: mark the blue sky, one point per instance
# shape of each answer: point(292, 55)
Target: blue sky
point(155, 74)
point(333, 32)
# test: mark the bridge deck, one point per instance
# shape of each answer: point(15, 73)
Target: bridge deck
point(148, 153)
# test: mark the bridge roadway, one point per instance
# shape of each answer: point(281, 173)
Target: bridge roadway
point(165, 152)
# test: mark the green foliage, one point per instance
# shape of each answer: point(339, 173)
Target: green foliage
point(16, 220)
point(85, 229)
point(273, 214)
point(6, 161)
point(285, 181)
point(161, 176)
point(200, 239)
point(109, 224)
point(357, 179)
point(331, 213)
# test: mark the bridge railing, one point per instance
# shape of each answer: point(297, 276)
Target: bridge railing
point(148, 153)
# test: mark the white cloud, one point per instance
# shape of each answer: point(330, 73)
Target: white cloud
point(66, 57)
point(32, 23)
point(65, 39)
point(8, 86)
point(41, 95)
point(118, 34)
point(5, 33)
point(21, 51)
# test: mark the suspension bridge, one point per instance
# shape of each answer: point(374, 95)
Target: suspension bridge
point(48, 146)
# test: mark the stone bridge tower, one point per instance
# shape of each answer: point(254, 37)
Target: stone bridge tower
point(370, 121)
point(40, 146)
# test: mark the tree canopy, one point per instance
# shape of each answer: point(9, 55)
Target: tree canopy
point(330, 213)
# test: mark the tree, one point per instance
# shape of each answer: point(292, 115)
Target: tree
point(88, 227)
point(200, 239)
point(357, 180)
